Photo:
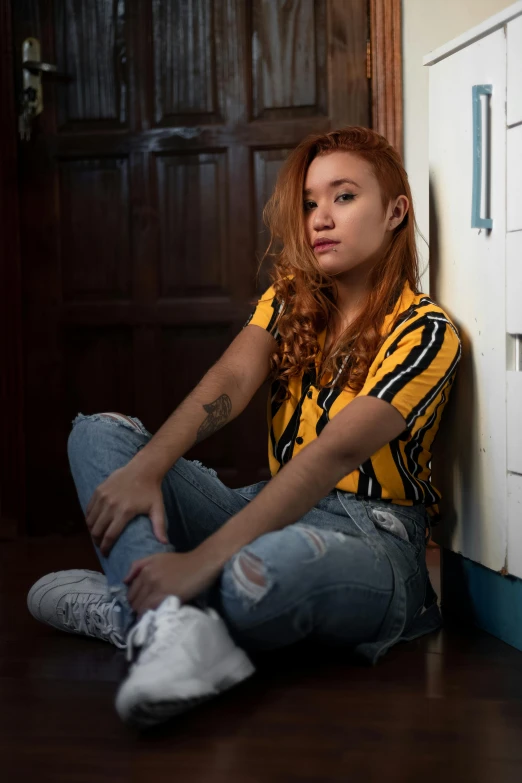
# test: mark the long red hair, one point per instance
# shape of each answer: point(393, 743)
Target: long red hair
point(309, 293)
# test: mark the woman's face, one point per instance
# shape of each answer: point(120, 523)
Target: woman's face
point(344, 218)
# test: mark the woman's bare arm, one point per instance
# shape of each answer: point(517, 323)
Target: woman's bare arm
point(363, 427)
point(221, 395)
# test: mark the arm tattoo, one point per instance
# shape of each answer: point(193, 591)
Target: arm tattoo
point(218, 414)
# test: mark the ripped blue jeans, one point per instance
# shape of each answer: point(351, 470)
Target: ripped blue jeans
point(352, 571)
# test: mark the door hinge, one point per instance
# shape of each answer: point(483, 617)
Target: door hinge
point(368, 59)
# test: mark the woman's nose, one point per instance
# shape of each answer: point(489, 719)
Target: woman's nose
point(322, 219)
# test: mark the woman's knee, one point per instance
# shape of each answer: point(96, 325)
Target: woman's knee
point(259, 594)
point(89, 432)
point(291, 583)
point(283, 558)
point(251, 605)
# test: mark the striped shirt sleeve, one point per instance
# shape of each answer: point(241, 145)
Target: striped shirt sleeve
point(266, 312)
point(413, 368)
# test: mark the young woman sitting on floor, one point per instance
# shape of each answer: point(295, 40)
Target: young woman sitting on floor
point(333, 547)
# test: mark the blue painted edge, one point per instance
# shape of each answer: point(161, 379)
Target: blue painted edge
point(482, 597)
point(476, 91)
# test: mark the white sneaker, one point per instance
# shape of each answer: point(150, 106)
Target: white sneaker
point(76, 601)
point(187, 656)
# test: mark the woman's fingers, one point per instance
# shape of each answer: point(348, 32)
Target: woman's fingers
point(121, 497)
point(102, 522)
point(150, 600)
point(133, 590)
point(90, 505)
point(138, 597)
point(157, 517)
point(93, 511)
point(112, 533)
point(134, 570)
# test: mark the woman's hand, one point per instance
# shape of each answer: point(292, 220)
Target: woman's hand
point(127, 492)
point(153, 578)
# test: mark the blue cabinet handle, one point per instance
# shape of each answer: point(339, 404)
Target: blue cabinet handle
point(476, 220)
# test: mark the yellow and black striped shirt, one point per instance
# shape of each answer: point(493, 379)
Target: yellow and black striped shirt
point(413, 370)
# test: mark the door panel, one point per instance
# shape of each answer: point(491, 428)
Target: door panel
point(96, 264)
point(188, 45)
point(91, 44)
point(288, 59)
point(142, 190)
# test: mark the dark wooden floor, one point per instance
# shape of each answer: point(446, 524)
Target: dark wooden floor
point(446, 707)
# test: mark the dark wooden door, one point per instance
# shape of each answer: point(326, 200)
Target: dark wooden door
point(141, 194)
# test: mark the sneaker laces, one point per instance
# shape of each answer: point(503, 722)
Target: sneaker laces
point(156, 631)
point(94, 619)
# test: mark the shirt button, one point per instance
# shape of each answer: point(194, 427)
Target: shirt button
point(299, 440)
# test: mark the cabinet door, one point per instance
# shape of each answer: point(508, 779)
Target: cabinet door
point(468, 279)
point(515, 524)
point(514, 178)
point(514, 71)
point(514, 330)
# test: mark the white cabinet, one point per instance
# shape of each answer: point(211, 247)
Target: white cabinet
point(514, 278)
point(515, 524)
point(514, 418)
point(514, 176)
point(476, 274)
point(514, 71)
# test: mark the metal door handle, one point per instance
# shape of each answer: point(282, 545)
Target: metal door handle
point(31, 99)
point(514, 346)
point(480, 140)
point(35, 66)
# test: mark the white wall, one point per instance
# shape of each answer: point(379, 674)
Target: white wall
point(426, 25)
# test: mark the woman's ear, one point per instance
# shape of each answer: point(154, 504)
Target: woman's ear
point(398, 212)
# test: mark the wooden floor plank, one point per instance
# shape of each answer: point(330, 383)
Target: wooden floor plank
point(445, 707)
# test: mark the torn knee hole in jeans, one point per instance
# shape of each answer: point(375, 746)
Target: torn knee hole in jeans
point(120, 418)
point(116, 419)
point(204, 468)
point(250, 577)
point(317, 539)
point(250, 574)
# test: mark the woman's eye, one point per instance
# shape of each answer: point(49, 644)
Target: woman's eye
point(343, 198)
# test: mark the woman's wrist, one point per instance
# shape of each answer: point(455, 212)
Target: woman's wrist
point(213, 556)
point(147, 466)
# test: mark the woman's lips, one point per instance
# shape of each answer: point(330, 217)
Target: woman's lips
point(325, 246)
